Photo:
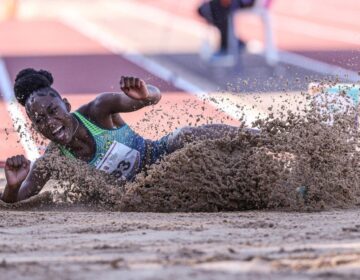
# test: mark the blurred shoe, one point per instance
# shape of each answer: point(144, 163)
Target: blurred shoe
point(222, 58)
point(241, 45)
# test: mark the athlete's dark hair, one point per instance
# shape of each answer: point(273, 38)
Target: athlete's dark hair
point(28, 81)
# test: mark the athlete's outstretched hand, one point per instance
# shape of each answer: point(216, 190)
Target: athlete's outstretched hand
point(134, 88)
point(16, 170)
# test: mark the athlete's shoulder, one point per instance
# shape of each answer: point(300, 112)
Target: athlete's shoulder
point(96, 107)
point(85, 109)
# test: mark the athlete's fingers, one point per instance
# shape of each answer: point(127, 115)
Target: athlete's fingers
point(11, 162)
point(132, 82)
point(142, 83)
point(138, 83)
point(8, 162)
point(24, 161)
point(18, 161)
point(15, 161)
point(127, 82)
point(122, 83)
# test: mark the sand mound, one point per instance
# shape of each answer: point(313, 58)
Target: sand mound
point(299, 163)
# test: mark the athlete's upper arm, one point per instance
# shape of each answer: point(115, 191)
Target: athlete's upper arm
point(115, 102)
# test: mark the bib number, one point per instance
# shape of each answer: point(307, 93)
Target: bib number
point(120, 161)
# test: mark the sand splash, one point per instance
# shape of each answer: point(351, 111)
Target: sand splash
point(297, 162)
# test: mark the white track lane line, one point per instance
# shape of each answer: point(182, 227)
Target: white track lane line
point(318, 66)
point(116, 46)
point(17, 117)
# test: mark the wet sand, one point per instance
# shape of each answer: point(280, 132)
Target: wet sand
point(73, 244)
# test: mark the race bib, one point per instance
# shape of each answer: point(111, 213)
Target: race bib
point(120, 161)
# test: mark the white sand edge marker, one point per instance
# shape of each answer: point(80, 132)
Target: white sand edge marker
point(105, 38)
point(17, 117)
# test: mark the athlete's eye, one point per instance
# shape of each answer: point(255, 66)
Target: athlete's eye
point(53, 110)
point(38, 119)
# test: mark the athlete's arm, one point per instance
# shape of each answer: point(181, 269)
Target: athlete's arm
point(22, 180)
point(134, 96)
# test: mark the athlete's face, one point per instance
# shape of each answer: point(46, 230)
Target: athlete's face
point(50, 115)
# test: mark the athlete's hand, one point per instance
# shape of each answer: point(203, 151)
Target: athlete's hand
point(134, 88)
point(16, 170)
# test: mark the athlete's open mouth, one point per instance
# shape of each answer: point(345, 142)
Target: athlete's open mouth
point(58, 132)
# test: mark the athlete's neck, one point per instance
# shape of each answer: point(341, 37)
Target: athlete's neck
point(81, 142)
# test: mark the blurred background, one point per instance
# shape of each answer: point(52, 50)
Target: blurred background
point(206, 67)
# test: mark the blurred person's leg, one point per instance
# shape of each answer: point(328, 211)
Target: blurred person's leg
point(217, 13)
point(220, 15)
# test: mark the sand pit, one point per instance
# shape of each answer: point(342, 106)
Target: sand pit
point(75, 244)
point(81, 227)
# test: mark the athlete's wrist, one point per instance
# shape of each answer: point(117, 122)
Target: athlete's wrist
point(154, 95)
point(10, 194)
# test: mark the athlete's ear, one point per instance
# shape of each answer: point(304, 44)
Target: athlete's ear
point(67, 104)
